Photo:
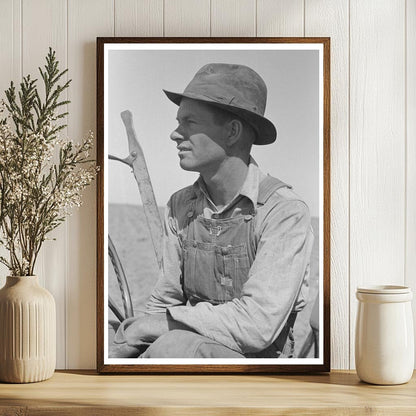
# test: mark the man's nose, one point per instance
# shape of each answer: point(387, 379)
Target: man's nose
point(175, 135)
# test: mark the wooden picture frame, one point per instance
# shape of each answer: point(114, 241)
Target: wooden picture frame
point(297, 74)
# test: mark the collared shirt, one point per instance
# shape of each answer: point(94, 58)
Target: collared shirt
point(278, 278)
point(243, 201)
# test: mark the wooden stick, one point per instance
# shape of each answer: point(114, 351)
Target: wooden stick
point(141, 174)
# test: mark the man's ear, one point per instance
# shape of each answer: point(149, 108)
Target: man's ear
point(235, 131)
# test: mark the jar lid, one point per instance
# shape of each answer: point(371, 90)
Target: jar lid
point(384, 289)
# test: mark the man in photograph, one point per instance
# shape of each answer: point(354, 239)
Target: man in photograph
point(237, 242)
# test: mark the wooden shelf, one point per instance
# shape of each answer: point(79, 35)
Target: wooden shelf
point(86, 393)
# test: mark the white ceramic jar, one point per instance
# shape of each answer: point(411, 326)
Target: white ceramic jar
point(384, 337)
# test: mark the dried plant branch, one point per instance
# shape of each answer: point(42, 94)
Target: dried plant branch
point(41, 176)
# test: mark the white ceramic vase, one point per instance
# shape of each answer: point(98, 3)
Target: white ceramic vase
point(384, 338)
point(27, 331)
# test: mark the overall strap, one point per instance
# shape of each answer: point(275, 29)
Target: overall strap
point(284, 336)
point(268, 186)
point(266, 189)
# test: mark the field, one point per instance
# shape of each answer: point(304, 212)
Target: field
point(130, 235)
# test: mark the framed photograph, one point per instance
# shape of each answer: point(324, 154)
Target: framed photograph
point(213, 238)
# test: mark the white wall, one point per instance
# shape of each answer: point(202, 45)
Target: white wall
point(373, 132)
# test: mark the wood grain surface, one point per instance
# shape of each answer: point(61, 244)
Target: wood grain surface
point(85, 19)
point(233, 18)
point(51, 265)
point(280, 18)
point(340, 393)
point(410, 261)
point(196, 368)
point(373, 80)
point(331, 18)
point(138, 17)
point(187, 18)
point(377, 148)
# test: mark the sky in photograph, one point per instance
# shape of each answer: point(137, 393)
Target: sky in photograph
point(136, 79)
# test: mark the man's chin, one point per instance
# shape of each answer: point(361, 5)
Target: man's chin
point(187, 166)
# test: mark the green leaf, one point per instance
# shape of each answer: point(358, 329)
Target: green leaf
point(25, 220)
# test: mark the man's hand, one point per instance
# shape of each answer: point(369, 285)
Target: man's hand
point(135, 334)
point(124, 350)
point(150, 327)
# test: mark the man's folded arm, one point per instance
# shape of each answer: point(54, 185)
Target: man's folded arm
point(252, 322)
point(168, 290)
point(143, 329)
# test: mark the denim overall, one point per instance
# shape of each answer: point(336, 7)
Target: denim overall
point(217, 256)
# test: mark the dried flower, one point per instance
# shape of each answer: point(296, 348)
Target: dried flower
point(42, 176)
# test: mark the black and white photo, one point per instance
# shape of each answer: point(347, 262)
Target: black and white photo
point(214, 194)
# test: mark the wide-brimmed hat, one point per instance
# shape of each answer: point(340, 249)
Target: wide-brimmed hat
point(234, 88)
